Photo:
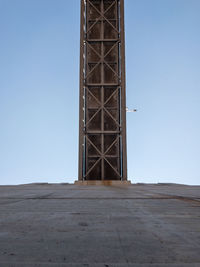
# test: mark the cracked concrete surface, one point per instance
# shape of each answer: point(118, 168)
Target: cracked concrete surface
point(100, 226)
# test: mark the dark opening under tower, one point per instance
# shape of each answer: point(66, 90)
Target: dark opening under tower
point(102, 118)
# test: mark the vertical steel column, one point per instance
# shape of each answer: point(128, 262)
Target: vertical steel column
point(81, 93)
point(123, 86)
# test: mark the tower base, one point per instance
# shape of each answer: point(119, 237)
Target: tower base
point(103, 183)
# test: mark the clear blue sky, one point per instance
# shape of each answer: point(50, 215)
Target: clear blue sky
point(39, 90)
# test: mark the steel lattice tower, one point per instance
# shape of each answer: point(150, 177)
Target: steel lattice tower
point(102, 118)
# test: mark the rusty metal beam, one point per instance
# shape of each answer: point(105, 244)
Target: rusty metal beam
point(123, 84)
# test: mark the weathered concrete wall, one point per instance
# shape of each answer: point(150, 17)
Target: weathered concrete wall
point(69, 225)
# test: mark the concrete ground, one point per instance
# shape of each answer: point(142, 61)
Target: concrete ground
point(99, 226)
